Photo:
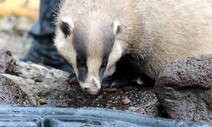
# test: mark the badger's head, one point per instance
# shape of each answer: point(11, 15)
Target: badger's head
point(92, 49)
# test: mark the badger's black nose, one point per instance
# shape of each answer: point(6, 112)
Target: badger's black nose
point(92, 90)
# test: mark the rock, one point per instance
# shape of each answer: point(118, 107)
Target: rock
point(11, 93)
point(41, 101)
point(14, 35)
point(23, 25)
point(152, 109)
point(126, 101)
point(7, 62)
point(31, 80)
point(7, 24)
point(20, 24)
point(184, 88)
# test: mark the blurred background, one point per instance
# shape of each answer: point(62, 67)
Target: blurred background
point(16, 19)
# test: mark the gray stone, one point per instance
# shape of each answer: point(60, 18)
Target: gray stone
point(7, 24)
point(23, 25)
point(184, 88)
point(7, 62)
point(11, 93)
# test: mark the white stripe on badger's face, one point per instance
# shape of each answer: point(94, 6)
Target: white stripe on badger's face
point(92, 80)
point(94, 46)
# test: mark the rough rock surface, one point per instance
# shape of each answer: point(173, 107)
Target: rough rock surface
point(11, 93)
point(7, 62)
point(14, 34)
point(184, 88)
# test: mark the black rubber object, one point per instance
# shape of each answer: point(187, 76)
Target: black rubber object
point(82, 117)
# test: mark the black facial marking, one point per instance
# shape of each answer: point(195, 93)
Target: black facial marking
point(118, 30)
point(65, 28)
point(108, 42)
point(79, 39)
point(103, 68)
point(82, 68)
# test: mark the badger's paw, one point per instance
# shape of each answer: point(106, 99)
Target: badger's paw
point(114, 81)
point(120, 81)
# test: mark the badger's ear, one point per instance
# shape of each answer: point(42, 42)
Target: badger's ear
point(66, 26)
point(116, 27)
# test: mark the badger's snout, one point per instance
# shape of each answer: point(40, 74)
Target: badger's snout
point(92, 86)
point(92, 90)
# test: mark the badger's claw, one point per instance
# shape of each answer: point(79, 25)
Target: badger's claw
point(72, 79)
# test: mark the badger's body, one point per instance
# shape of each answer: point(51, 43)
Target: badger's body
point(92, 35)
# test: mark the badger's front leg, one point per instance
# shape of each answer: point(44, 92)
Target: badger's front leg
point(118, 79)
point(123, 75)
point(127, 72)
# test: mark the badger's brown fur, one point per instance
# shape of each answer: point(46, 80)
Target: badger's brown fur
point(153, 32)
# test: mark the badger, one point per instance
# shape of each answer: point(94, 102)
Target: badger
point(103, 38)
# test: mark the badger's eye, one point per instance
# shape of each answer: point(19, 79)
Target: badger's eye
point(103, 66)
point(82, 65)
point(102, 69)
